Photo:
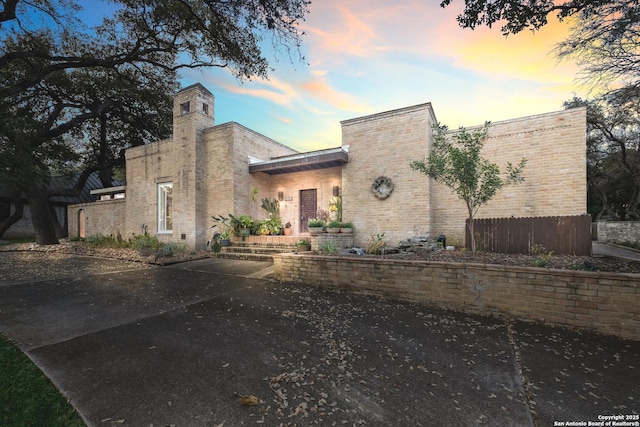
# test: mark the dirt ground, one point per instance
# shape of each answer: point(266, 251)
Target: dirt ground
point(565, 262)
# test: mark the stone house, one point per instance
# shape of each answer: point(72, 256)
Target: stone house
point(174, 186)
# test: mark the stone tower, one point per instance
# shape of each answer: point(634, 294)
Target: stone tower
point(193, 113)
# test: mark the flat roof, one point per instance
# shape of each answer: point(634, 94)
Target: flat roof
point(321, 159)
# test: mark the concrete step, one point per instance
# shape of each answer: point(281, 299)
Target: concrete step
point(260, 248)
point(245, 256)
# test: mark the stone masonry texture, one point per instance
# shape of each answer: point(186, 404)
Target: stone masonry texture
point(208, 166)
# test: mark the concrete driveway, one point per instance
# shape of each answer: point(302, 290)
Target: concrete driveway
point(175, 346)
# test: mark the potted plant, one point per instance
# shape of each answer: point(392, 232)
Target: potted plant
point(287, 229)
point(315, 226)
point(224, 231)
point(346, 227)
point(333, 226)
point(225, 236)
point(245, 223)
point(274, 225)
point(303, 245)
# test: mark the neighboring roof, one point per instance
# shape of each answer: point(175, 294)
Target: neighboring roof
point(85, 196)
point(321, 159)
point(92, 183)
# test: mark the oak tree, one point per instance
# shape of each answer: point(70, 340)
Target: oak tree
point(72, 97)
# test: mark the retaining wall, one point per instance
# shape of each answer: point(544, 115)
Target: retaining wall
point(618, 231)
point(606, 303)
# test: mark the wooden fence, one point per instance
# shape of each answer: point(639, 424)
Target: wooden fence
point(569, 235)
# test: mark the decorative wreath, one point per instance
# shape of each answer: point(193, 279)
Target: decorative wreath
point(382, 187)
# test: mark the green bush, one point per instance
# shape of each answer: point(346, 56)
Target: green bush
point(103, 241)
point(542, 256)
point(315, 223)
point(145, 241)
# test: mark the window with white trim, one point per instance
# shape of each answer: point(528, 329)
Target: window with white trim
point(165, 205)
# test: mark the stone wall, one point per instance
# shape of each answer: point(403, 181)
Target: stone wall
point(107, 217)
point(323, 180)
point(339, 240)
point(618, 231)
point(247, 143)
point(554, 145)
point(602, 302)
point(209, 168)
point(383, 145)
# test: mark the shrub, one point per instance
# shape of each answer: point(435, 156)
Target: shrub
point(103, 241)
point(315, 222)
point(145, 241)
point(542, 257)
point(375, 244)
point(329, 248)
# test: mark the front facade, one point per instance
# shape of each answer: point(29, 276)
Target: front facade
point(175, 186)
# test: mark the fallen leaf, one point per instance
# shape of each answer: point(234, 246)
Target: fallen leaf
point(248, 400)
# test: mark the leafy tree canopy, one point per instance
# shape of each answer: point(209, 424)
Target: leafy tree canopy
point(518, 15)
point(613, 154)
point(73, 97)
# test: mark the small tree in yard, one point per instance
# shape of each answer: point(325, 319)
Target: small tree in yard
point(455, 161)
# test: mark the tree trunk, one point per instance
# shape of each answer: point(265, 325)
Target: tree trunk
point(471, 227)
point(60, 233)
point(43, 223)
point(15, 216)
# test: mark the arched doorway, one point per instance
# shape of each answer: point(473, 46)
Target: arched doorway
point(81, 224)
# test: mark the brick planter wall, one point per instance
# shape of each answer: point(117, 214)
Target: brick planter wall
point(607, 303)
point(340, 240)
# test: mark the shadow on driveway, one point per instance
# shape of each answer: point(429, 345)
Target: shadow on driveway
point(173, 345)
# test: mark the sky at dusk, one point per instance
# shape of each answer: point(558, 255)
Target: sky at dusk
point(369, 56)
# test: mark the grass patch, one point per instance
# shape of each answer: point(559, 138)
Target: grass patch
point(632, 245)
point(27, 397)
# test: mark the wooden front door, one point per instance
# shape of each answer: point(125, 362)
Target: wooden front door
point(308, 207)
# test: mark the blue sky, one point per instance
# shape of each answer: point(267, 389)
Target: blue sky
point(369, 56)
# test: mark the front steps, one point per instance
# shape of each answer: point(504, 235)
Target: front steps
point(260, 248)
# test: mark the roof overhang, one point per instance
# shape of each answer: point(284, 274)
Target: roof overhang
point(302, 162)
point(109, 190)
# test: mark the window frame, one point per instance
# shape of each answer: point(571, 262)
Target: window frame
point(165, 207)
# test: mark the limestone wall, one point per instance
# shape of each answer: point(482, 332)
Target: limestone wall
point(323, 180)
point(249, 143)
point(618, 231)
point(383, 145)
point(107, 217)
point(554, 145)
point(209, 168)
